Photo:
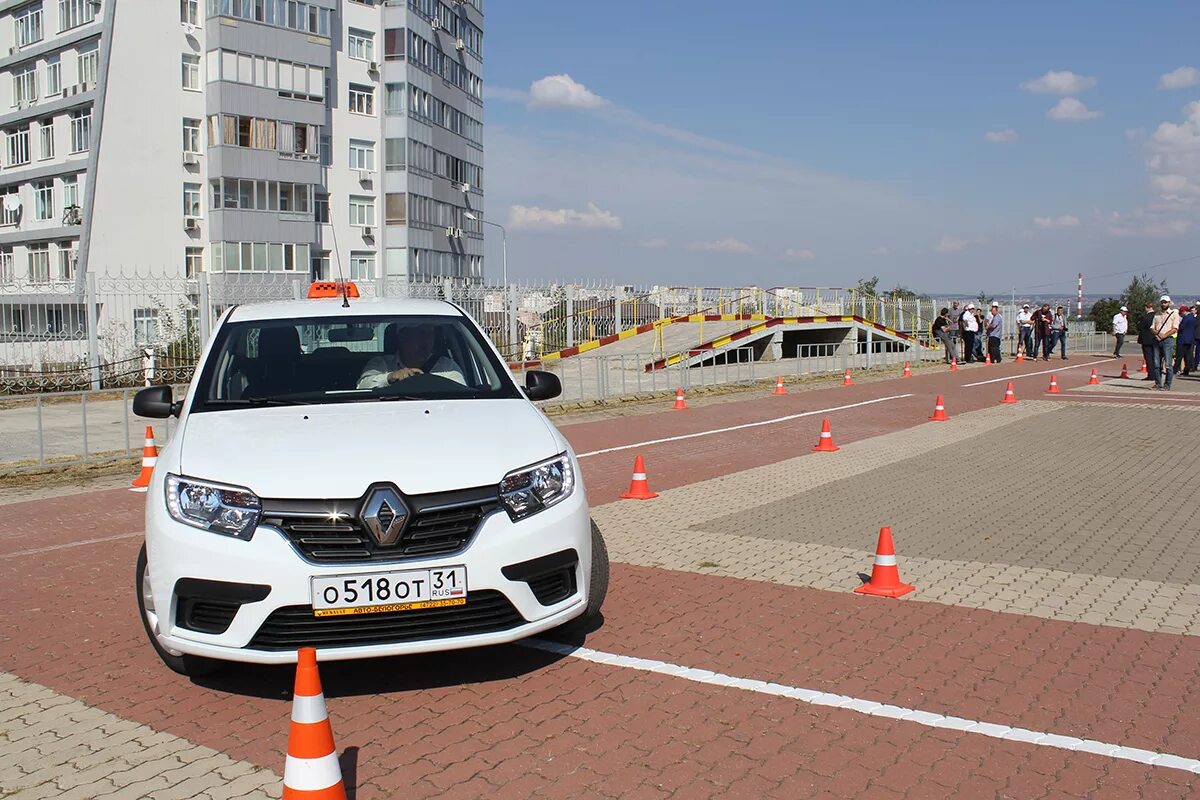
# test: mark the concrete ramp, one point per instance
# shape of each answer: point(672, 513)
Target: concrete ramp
point(663, 337)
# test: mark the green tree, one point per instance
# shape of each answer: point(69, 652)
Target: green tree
point(904, 293)
point(868, 286)
point(1103, 311)
point(1140, 292)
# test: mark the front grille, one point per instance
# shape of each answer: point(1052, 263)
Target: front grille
point(205, 616)
point(291, 627)
point(553, 586)
point(329, 531)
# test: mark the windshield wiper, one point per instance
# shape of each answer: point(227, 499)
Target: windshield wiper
point(256, 402)
point(383, 397)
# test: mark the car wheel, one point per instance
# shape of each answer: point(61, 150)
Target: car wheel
point(192, 666)
point(599, 582)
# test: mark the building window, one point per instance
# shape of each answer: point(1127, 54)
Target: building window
point(43, 200)
point(145, 326)
point(321, 206)
point(362, 210)
point(191, 199)
point(89, 67)
point(362, 266)
point(71, 193)
point(361, 45)
point(46, 138)
point(25, 86)
point(9, 217)
point(191, 136)
point(320, 266)
point(326, 151)
point(393, 99)
point(7, 275)
point(66, 262)
point(18, 148)
point(393, 44)
point(73, 13)
point(191, 71)
point(362, 99)
point(189, 12)
point(193, 261)
point(393, 153)
point(39, 263)
point(53, 76)
point(394, 208)
point(362, 155)
point(81, 130)
point(29, 25)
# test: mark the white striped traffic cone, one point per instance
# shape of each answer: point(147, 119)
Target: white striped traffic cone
point(149, 458)
point(312, 771)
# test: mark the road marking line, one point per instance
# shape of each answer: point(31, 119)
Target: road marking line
point(1031, 374)
point(873, 708)
point(740, 427)
point(54, 547)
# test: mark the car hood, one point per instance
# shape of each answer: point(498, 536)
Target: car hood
point(338, 450)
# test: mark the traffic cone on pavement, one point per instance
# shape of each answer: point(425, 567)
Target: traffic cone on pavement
point(312, 771)
point(779, 386)
point(149, 459)
point(1009, 396)
point(846, 379)
point(987, 359)
point(907, 371)
point(1094, 380)
point(680, 403)
point(954, 365)
point(1124, 370)
point(825, 443)
point(939, 411)
point(1053, 386)
point(1143, 367)
point(639, 487)
point(1020, 359)
point(885, 575)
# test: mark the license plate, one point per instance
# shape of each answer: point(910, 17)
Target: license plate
point(377, 592)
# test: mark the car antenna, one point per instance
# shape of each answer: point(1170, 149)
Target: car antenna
point(337, 254)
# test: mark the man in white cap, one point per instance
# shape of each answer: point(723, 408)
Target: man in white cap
point(1025, 329)
point(1165, 326)
point(1120, 323)
point(970, 328)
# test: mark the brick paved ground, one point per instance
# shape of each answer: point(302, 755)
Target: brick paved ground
point(742, 566)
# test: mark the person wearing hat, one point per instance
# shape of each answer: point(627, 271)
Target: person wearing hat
point(1166, 325)
point(1185, 343)
point(1025, 329)
point(1120, 323)
point(969, 327)
point(995, 330)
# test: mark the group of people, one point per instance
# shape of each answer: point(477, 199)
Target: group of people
point(1040, 331)
point(1167, 337)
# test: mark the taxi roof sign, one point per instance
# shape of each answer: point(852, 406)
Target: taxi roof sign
point(323, 289)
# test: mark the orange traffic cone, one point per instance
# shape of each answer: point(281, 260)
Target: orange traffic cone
point(1143, 367)
point(939, 411)
point(312, 771)
point(846, 379)
point(639, 487)
point(1009, 396)
point(954, 365)
point(987, 359)
point(149, 459)
point(907, 371)
point(779, 386)
point(1053, 386)
point(1020, 354)
point(1094, 380)
point(680, 403)
point(1124, 370)
point(885, 575)
point(825, 443)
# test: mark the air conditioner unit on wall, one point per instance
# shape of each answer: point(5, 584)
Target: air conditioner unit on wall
point(373, 66)
point(459, 44)
point(364, 176)
point(191, 224)
point(191, 159)
point(367, 232)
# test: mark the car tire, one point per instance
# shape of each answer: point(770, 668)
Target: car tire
point(187, 665)
point(598, 585)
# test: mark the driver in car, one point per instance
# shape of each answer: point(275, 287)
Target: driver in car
point(414, 355)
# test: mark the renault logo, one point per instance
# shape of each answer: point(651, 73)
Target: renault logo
point(384, 515)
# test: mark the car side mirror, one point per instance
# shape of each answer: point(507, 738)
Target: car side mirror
point(542, 385)
point(156, 402)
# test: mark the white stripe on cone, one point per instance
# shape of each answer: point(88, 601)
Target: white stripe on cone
point(639, 476)
point(309, 709)
point(311, 774)
point(885, 561)
point(826, 435)
point(149, 461)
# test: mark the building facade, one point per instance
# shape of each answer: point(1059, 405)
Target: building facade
point(241, 139)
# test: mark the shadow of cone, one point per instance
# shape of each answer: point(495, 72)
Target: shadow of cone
point(639, 487)
point(312, 770)
point(1053, 385)
point(1094, 380)
point(680, 403)
point(1009, 395)
point(825, 443)
point(885, 575)
point(149, 459)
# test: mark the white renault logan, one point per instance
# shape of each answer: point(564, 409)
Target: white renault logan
point(363, 477)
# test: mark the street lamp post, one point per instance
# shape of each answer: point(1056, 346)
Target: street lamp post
point(503, 242)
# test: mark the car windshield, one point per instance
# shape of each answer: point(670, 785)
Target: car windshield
point(349, 359)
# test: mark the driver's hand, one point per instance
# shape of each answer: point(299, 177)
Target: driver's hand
point(402, 373)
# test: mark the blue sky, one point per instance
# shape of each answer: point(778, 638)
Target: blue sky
point(784, 143)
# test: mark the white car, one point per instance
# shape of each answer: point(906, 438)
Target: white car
point(363, 477)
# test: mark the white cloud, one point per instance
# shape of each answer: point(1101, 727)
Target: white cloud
point(1173, 158)
point(1064, 82)
point(563, 91)
point(654, 244)
point(799, 255)
point(1051, 223)
point(951, 245)
point(548, 219)
point(1001, 137)
point(1150, 228)
point(1180, 78)
point(880, 251)
point(1071, 110)
point(727, 245)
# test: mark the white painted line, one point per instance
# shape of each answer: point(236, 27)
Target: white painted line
point(1043, 372)
point(1134, 398)
point(872, 708)
point(81, 543)
point(773, 421)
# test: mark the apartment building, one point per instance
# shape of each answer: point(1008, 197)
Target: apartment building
point(250, 140)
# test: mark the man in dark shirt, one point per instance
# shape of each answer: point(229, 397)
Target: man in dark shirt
point(1185, 347)
point(1148, 341)
point(1041, 331)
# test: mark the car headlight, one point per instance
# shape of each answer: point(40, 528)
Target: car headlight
point(215, 507)
point(528, 490)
